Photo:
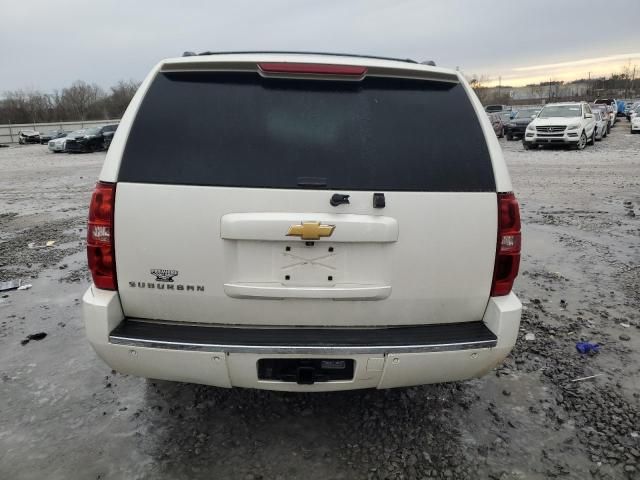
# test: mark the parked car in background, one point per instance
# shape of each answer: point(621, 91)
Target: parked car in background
point(631, 107)
point(570, 123)
point(497, 124)
point(108, 132)
point(604, 113)
point(28, 136)
point(635, 120)
point(57, 145)
point(518, 124)
point(73, 136)
point(506, 115)
point(612, 115)
point(613, 108)
point(90, 140)
point(52, 135)
point(602, 124)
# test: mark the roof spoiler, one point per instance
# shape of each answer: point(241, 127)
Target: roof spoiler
point(252, 66)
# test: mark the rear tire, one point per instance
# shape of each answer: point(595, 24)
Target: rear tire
point(592, 140)
point(501, 133)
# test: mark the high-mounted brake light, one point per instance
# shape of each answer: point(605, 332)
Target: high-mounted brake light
point(311, 69)
point(508, 245)
point(100, 249)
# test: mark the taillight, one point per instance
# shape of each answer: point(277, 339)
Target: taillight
point(100, 250)
point(508, 248)
point(311, 69)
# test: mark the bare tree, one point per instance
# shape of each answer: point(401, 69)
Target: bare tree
point(478, 83)
point(80, 98)
point(629, 75)
point(80, 101)
point(39, 106)
point(121, 95)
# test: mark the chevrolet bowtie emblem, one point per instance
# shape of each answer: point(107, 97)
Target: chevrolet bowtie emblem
point(310, 230)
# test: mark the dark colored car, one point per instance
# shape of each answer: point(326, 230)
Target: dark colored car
point(52, 135)
point(91, 139)
point(518, 124)
point(108, 133)
point(28, 136)
point(496, 123)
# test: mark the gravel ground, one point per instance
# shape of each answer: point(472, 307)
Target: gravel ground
point(65, 415)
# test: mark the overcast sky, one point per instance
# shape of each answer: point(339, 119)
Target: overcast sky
point(48, 44)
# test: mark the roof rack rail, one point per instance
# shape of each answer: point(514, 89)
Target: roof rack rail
point(408, 60)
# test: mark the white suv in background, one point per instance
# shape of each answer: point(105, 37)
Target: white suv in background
point(562, 124)
point(635, 121)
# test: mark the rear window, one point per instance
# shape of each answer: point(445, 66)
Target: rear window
point(241, 130)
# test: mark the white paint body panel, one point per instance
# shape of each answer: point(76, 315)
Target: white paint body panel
point(439, 270)
point(270, 225)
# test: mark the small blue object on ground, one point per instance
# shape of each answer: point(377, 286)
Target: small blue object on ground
point(587, 347)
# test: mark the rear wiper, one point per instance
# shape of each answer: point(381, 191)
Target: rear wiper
point(312, 182)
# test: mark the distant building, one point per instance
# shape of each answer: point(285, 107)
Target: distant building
point(539, 93)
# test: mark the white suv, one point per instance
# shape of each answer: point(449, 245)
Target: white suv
point(635, 120)
point(311, 223)
point(562, 123)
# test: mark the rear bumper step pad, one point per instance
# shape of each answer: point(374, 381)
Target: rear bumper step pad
point(303, 340)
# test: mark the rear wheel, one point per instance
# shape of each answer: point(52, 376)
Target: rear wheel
point(509, 137)
point(582, 141)
point(501, 133)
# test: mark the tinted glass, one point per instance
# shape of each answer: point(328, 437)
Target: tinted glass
point(243, 130)
point(526, 113)
point(566, 111)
